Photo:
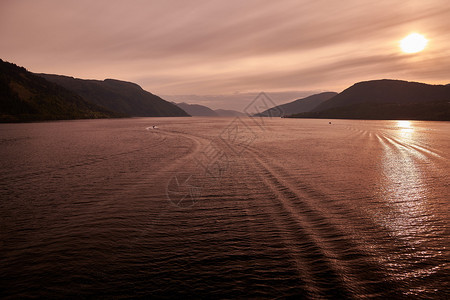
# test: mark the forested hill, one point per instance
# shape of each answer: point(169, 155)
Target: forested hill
point(25, 96)
point(119, 96)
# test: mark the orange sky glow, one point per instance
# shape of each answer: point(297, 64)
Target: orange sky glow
point(210, 47)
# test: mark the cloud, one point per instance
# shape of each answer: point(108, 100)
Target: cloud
point(217, 47)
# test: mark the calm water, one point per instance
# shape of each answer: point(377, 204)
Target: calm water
point(225, 208)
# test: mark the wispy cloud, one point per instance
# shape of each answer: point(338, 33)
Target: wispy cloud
point(217, 47)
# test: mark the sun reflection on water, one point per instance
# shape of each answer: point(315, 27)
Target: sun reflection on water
point(403, 186)
point(406, 215)
point(405, 127)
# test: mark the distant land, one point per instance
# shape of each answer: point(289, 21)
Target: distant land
point(237, 101)
point(197, 110)
point(119, 96)
point(298, 106)
point(25, 97)
point(229, 113)
point(386, 99)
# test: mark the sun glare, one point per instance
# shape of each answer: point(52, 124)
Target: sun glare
point(404, 124)
point(413, 43)
point(405, 127)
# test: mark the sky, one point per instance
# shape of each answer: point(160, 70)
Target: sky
point(220, 52)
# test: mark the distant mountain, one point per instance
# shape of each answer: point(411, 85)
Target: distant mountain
point(387, 99)
point(388, 91)
point(228, 113)
point(27, 97)
point(197, 110)
point(119, 96)
point(204, 111)
point(298, 106)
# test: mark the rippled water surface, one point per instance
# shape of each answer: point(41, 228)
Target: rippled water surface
point(225, 208)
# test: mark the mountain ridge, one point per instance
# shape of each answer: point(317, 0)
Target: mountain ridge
point(305, 104)
point(26, 97)
point(386, 99)
point(197, 110)
point(120, 96)
point(229, 113)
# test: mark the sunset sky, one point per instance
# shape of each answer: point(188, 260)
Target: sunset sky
point(208, 47)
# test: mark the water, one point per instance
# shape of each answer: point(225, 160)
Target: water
point(225, 208)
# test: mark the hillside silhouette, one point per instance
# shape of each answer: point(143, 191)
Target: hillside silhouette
point(119, 96)
point(27, 97)
point(298, 106)
point(228, 113)
point(197, 110)
point(386, 99)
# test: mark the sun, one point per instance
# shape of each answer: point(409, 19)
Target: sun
point(413, 43)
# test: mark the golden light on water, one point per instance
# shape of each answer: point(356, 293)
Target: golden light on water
point(413, 43)
point(405, 126)
point(404, 185)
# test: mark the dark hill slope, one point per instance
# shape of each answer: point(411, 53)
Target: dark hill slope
point(298, 106)
point(388, 91)
point(387, 99)
point(197, 110)
point(27, 97)
point(120, 96)
point(228, 113)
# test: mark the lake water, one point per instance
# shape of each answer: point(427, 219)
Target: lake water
point(225, 208)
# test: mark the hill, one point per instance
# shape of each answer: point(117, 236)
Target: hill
point(197, 110)
point(298, 106)
point(27, 97)
point(228, 113)
point(386, 99)
point(119, 96)
point(204, 111)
